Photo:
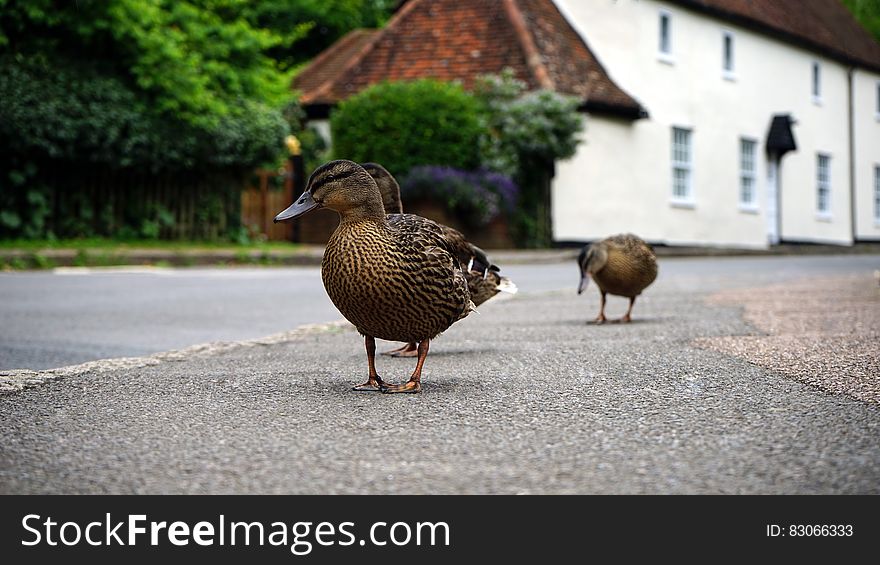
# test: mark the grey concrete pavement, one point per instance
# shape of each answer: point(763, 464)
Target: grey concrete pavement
point(523, 398)
point(51, 319)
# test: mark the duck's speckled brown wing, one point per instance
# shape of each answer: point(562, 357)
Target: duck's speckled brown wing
point(631, 266)
point(482, 278)
point(467, 252)
point(482, 287)
point(397, 281)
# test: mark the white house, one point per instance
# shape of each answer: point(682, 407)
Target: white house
point(709, 122)
point(712, 76)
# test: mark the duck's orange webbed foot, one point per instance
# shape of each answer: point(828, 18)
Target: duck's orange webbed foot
point(600, 319)
point(414, 384)
point(372, 385)
point(411, 350)
point(408, 350)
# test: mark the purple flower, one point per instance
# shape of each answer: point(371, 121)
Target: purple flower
point(476, 197)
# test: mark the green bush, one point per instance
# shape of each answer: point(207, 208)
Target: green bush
point(405, 124)
point(526, 133)
point(525, 127)
point(69, 111)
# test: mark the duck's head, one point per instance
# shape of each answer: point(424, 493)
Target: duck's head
point(343, 186)
point(591, 259)
point(388, 187)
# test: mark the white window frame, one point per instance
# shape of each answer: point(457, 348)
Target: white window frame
point(666, 55)
point(728, 73)
point(686, 200)
point(823, 185)
point(745, 174)
point(816, 83)
point(877, 195)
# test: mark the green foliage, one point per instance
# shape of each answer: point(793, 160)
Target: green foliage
point(536, 126)
point(327, 21)
point(145, 86)
point(526, 132)
point(405, 124)
point(191, 59)
point(74, 113)
point(500, 127)
point(867, 12)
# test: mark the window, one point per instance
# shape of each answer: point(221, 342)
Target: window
point(817, 83)
point(748, 197)
point(681, 165)
point(665, 46)
point(727, 59)
point(877, 193)
point(823, 185)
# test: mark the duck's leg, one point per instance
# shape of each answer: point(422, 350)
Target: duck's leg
point(375, 382)
point(408, 350)
point(414, 384)
point(627, 317)
point(601, 319)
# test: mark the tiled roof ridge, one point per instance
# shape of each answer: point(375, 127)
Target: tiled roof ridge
point(527, 43)
point(363, 51)
point(326, 54)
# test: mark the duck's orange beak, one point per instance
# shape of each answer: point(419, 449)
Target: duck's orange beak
point(304, 204)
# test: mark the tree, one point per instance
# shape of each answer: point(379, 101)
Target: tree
point(151, 85)
point(325, 22)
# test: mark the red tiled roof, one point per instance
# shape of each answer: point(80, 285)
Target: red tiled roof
point(332, 61)
point(457, 40)
point(826, 26)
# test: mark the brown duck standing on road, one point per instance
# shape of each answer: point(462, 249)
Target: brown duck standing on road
point(623, 265)
point(482, 276)
point(397, 281)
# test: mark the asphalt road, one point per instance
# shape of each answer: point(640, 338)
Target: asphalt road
point(52, 319)
point(523, 398)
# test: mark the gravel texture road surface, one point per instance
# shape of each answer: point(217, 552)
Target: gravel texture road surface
point(525, 397)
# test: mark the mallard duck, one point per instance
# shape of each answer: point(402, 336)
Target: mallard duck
point(397, 281)
point(483, 279)
point(623, 265)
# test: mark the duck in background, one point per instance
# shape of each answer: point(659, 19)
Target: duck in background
point(483, 278)
point(623, 265)
point(399, 281)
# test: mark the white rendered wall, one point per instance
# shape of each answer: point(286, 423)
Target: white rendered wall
point(620, 180)
point(867, 154)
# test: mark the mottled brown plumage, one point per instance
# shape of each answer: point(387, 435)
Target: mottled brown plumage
point(623, 265)
point(482, 276)
point(398, 281)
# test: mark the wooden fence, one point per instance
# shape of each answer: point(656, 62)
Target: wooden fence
point(265, 194)
point(103, 202)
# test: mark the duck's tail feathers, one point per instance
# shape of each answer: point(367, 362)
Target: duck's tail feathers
point(507, 285)
point(480, 261)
